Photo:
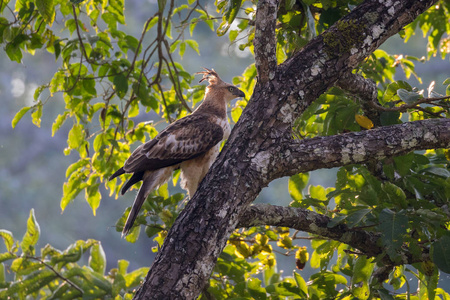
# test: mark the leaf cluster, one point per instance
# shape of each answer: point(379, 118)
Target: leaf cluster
point(61, 274)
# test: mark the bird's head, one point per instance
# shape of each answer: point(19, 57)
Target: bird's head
point(228, 91)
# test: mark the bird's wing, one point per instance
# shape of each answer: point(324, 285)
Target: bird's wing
point(185, 139)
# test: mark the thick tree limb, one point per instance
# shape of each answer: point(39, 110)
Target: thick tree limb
point(200, 232)
point(265, 41)
point(314, 223)
point(336, 52)
point(367, 146)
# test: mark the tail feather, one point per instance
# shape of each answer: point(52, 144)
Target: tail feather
point(151, 180)
point(137, 204)
point(117, 173)
point(134, 179)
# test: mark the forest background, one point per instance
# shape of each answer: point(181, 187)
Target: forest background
point(33, 164)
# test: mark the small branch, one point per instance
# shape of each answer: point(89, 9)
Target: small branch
point(140, 44)
point(57, 273)
point(175, 80)
point(84, 53)
point(405, 107)
point(265, 40)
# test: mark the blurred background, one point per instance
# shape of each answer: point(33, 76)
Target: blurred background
point(33, 165)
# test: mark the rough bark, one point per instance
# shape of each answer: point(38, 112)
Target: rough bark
point(308, 221)
point(198, 236)
point(362, 147)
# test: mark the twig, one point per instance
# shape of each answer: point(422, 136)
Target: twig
point(79, 34)
point(57, 273)
point(404, 107)
point(140, 43)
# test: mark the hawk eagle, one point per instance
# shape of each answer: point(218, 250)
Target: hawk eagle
point(191, 143)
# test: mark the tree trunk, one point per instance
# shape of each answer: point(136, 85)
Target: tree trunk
point(260, 148)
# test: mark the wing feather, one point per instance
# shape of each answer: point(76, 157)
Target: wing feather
point(185, 139)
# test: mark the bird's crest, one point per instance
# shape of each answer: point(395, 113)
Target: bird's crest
point(210, 75)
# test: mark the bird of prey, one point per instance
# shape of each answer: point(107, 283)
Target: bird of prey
point(191, 143)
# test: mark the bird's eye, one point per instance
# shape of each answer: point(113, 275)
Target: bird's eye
point(231, 89)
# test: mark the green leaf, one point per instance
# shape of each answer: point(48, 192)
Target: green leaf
point(31, 283)
point(236, 113)
point(37, 114)
point(136, 277)
point(393, 228)
point(132, 43)
point(390, 93)
point(408, 97)
point(32, 235)
point(233, 35)
point(7, 256)
point(47, 10)
point(390, 118)
point(301, 283)
point(59, 121)
point(19, 116)
point(133, 236)
point(395, 194)
point(182, 49)
point(97, 259)
point(441, 253)
point(7, 239)
point(76, 136)
point(355, 218)
point(362, 271)
point(2, 274)
point(76, 165)
point(385, 295)
point(296, 185)
point(289, 4)
point(93, 196)
point(194, 45)
point(436, 171)
point(14, 53)
point(233, 9)
point(89, 87)
point(120, 85)
point(255, 289)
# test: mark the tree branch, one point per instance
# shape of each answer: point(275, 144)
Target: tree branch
point(300, 156)
point(308, 221)
point(265, 41)
point(337, 51)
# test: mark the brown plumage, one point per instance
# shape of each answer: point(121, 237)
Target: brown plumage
point(191, 143)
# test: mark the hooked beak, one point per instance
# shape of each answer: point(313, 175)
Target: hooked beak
point(239, 93)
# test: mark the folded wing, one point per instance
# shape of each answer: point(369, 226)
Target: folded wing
point(185, 139)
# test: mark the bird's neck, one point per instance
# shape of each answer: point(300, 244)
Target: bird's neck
point(214, 103)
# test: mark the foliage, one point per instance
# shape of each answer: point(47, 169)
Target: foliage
point(57, 274)
point(107, 78)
